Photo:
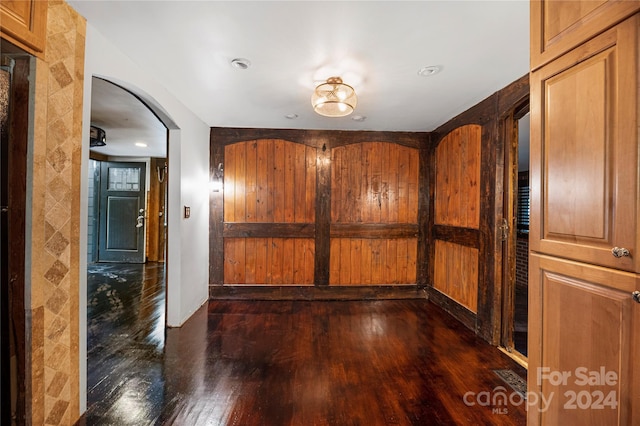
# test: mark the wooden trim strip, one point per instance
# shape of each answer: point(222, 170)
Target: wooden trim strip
point(463, 236)
point(229, 136)
point(266, 292)
point(216, 218)
point(459, 312)
point(269, 230)
point(374, 230)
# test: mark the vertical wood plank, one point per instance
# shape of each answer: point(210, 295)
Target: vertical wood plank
point(229, 260)
point(229, 185)
point(402, 250)
point(262, 181)
point(250, 261)
point(300, 184)
point(216, 218)
point(278, 193)
point(424, 261)
point(345, 261)
point(277, 260)
point(288, 260)
point(356, 181)
point(412, 253)
point(251, 181)
point(393, 183)
point(323, 213)
point(391, 264)
point(312, 160)
point(334, 275)
point(355, 253)
point(377, 256)
point(336, 187)
point(365, 268)
point(367, 196)
point(403, 186)
point(414, 172)
point(271, 180)
point(299, 260)
point(289, 182)
point(473, 178)
point(387, 169)
point(376, 183)
point(239, 180)
point(239, 266)
point(261, 261)
point(309, 261)
point(269, 263)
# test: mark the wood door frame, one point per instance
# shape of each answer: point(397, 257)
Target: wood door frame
point(510, 179)
point(17, 187)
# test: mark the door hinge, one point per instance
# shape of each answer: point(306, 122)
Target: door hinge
point(504, 230)
point(4, 209)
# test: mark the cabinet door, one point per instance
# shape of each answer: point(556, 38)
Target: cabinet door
point(559, 26)
point(584, 340)
point(584, 151)
point(24, 23)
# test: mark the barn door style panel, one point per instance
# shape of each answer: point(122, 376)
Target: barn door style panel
point(457, 215)
point(269, 212)
point(374, 214)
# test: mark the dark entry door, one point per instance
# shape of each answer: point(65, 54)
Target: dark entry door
point(122, 204)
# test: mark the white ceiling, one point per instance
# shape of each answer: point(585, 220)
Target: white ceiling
point(377, 47)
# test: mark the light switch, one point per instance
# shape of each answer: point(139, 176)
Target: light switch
point(187, 212)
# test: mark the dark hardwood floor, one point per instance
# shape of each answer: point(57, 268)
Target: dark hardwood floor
point(396, 362)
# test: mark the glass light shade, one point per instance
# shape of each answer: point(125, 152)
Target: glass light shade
point(334, 98)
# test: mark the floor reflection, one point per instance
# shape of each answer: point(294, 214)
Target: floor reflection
point(125, 343)
point(401, 362)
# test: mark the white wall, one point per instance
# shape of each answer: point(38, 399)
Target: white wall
point(188, 239)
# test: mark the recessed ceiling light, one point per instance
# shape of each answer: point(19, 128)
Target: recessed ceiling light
point(141, 144)
point(291, 116)
point(358, 118)
point(429, 71)
point(241, 63)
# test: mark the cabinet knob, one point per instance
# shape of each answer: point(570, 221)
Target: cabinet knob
point(636, 296)
point(620, 252)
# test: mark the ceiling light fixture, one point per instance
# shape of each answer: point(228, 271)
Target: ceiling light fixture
point(141, 144)
point(334, 98)
point(97, 137)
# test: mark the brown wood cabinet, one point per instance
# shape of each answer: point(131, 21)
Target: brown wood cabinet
point(584, 324)
point(584, 151)
point(24, 23)
point(585, 338)
point(559, 26)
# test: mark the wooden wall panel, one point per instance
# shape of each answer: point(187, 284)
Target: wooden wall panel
point(457, 186)
point(374, 214)
point(269, 181)
point(278, 261)
point(374, 182)
point(268, 186)
point(370, 261)
point(456, 273)
point(272, 224)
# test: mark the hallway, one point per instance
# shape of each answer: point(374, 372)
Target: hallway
point(400, 362)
